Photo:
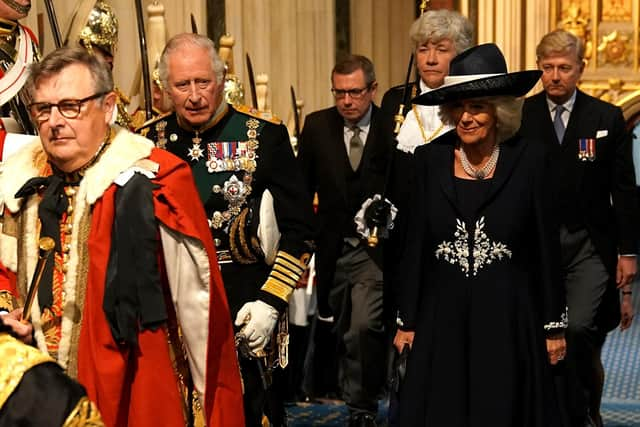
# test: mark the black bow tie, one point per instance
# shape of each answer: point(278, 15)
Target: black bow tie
point(54, 203)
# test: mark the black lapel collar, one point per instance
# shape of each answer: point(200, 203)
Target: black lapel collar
point(574, 126)
point(510, 151)
point(542, 114)
point(581, 122)
point(336, 128)
point(443, 159)
point(337, 152)
point(580, 125)
point(369, 146)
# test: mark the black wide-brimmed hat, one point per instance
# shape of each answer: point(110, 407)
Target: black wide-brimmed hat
point(478, 72)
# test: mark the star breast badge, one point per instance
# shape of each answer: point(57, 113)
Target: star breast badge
point(195, 152)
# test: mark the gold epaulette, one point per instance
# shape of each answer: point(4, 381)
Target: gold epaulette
point(16, 358)
point(153, 120)
point(138, 119)
point(123, 98)
point(262, 115)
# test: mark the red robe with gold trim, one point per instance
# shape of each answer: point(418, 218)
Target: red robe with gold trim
point(137, 388)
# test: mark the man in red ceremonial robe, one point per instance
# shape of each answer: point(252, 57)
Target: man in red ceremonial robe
point(131, 301)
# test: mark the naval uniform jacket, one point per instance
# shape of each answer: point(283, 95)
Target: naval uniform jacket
point(234, 159)
point(325, 164)
point(598, 194)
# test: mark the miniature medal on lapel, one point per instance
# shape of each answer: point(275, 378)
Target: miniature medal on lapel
point(586, 149)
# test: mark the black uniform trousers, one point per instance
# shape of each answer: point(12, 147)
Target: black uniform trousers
point(242, 283)
point(586, 281)
point(356, 300)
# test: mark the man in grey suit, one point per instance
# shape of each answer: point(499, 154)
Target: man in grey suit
point(597, 209)
point(344, 154)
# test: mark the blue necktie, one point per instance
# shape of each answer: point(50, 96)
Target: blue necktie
point(558, 124)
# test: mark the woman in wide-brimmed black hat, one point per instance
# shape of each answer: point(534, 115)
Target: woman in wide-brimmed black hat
point(482, 299)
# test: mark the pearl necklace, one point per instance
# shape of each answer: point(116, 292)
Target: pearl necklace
point(484, 171)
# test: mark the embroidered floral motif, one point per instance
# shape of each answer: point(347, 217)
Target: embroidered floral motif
point(484, 250)
point(562, 324)
point(456, 252)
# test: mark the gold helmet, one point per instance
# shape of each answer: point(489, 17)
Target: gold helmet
point(94, 24)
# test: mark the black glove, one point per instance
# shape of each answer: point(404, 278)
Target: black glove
point(399, 368)
point(377, 214)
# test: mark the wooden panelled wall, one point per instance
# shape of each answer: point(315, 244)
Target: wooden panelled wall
point(178, 16)
point(293, 41)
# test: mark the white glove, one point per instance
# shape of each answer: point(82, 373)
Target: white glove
point(260, 319)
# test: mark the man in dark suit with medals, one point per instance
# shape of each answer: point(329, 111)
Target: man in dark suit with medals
point(344, 156)
point(597, 207)
point(252, 191)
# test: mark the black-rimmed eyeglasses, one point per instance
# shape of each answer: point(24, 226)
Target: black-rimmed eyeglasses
point(69, 108)
point(356, 93)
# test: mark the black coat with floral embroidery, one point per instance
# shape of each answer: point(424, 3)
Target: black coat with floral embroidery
point(480, 288)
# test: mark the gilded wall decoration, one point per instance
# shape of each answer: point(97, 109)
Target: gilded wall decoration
point(575, 19)
point(616, 10)
point(611, 32)
point(574, 8)
point(614, 90)
point(615, 48)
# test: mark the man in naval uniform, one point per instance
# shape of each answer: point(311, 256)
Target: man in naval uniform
point(18, 48)
point(241, 160)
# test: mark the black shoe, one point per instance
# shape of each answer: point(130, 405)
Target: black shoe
point(362, 420)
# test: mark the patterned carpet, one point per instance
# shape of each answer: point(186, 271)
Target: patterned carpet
point(621, 360)
point(620, 401)
point(327, 413)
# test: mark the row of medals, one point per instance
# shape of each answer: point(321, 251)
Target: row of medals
point(235, 192)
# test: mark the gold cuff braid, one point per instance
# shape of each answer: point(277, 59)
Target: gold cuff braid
point(85, 414)
point(285, 274)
